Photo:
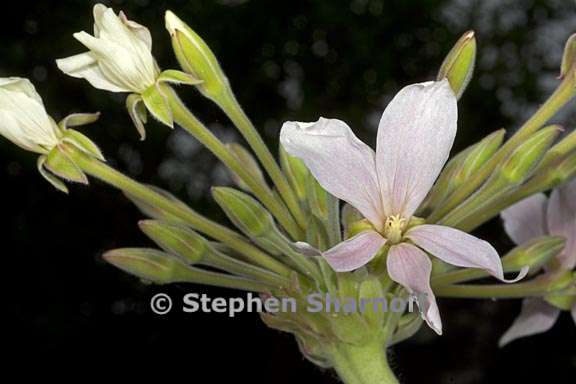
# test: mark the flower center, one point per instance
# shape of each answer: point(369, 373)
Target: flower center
point(393, 228)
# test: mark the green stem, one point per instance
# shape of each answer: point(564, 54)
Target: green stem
point(501, 291)
point(228, 103)
point(555, 102)
point(109, 175)
point(198, 276)
point(192, 125)
point(364, 364)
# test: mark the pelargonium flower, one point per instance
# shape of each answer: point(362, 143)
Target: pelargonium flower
point(119, 57)
point(415, 135)
point(23, 118)
point(539, 216)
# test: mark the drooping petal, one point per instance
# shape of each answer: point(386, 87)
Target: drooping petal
point(526, 219)
point(341, 163)
point(415, 135)
point(354, 252)
point(460, 249)
point(84, 66)
point(410, 267)
point(561, 217)
point(536, 316)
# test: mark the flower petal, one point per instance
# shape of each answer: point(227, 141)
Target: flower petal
point(19, 84)
point(84, 66)
point(536, 316)
point(341, 163)
point(410, 267)
point(460, 249)
point(415, 135)
point(354, 252)
point(526, 219)
point(561, 216)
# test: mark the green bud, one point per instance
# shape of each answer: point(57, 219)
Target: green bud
point(244, 211)
point(316, 234)
point(153, 211)
point(458, 65)
point(296, 172)
point(534, 253)
point(147, 264)
point(248, 162)
point(565, 283)
point(372, 292)
point(176, 239)
point(195, 57)
point(461, 167)
point(559, 150)
point(522, 161)
point(350, 216)
point(569, 57)
point(57, 162)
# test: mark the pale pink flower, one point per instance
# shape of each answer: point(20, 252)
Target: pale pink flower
point(540, 216)
point(415, 135)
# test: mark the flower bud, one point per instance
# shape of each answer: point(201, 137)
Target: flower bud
point(244, 211)
point(147, 264)
point(176, 239)
point(458, 65)
point(522, 161)
point(569, 57)
point(248, 162)
point(195, 57)
point(566, 283)
point(534, 253)
point(119, 57)
point(154, 212)
point(296, 172)
point(559, 150)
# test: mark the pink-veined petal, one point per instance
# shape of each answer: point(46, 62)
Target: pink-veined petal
point(460, 249)
point(415, 135)
point(410, 267)
point(526, 219)
point(354, 252)
point(341, 163)
point(536, 316)
point(561, 217)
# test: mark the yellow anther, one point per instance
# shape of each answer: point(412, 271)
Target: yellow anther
point(393, 228)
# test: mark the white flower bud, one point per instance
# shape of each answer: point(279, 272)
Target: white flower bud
point(23, 119)
point(119, 57)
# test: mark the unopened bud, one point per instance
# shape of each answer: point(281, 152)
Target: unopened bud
point(478, 155)
point(176, 239)
point(244, 211)
point(195, 57)
point(458, 65)
point(534, 253)
point(296, 172)
point(249, 164)
point(569, 57)
point(522, 161)
point(153, 211)
point(147, 264)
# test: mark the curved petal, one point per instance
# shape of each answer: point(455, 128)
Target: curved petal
point(561, 216)
point(415, 135)
point(84, 66)
point(20, 84)
point(536, 316)
point(354, 252)
point(410, 267)
point(341, 163)
point(460, 249)
point(526, 219)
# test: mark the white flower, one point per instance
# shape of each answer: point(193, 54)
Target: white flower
point(539, 216)
point(119, 57)
point(415, 136)
point(23, 119)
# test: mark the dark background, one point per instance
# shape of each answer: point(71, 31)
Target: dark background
point(286, 60)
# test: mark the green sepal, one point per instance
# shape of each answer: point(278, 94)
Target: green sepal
point(56, 182)
point(157, 104)
point(249, 163)
point(83, 143)
point(60, 164)
point(178, 77)
point(296, 172)
point(137, 111)
point(78, 119)
point(569, 56)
